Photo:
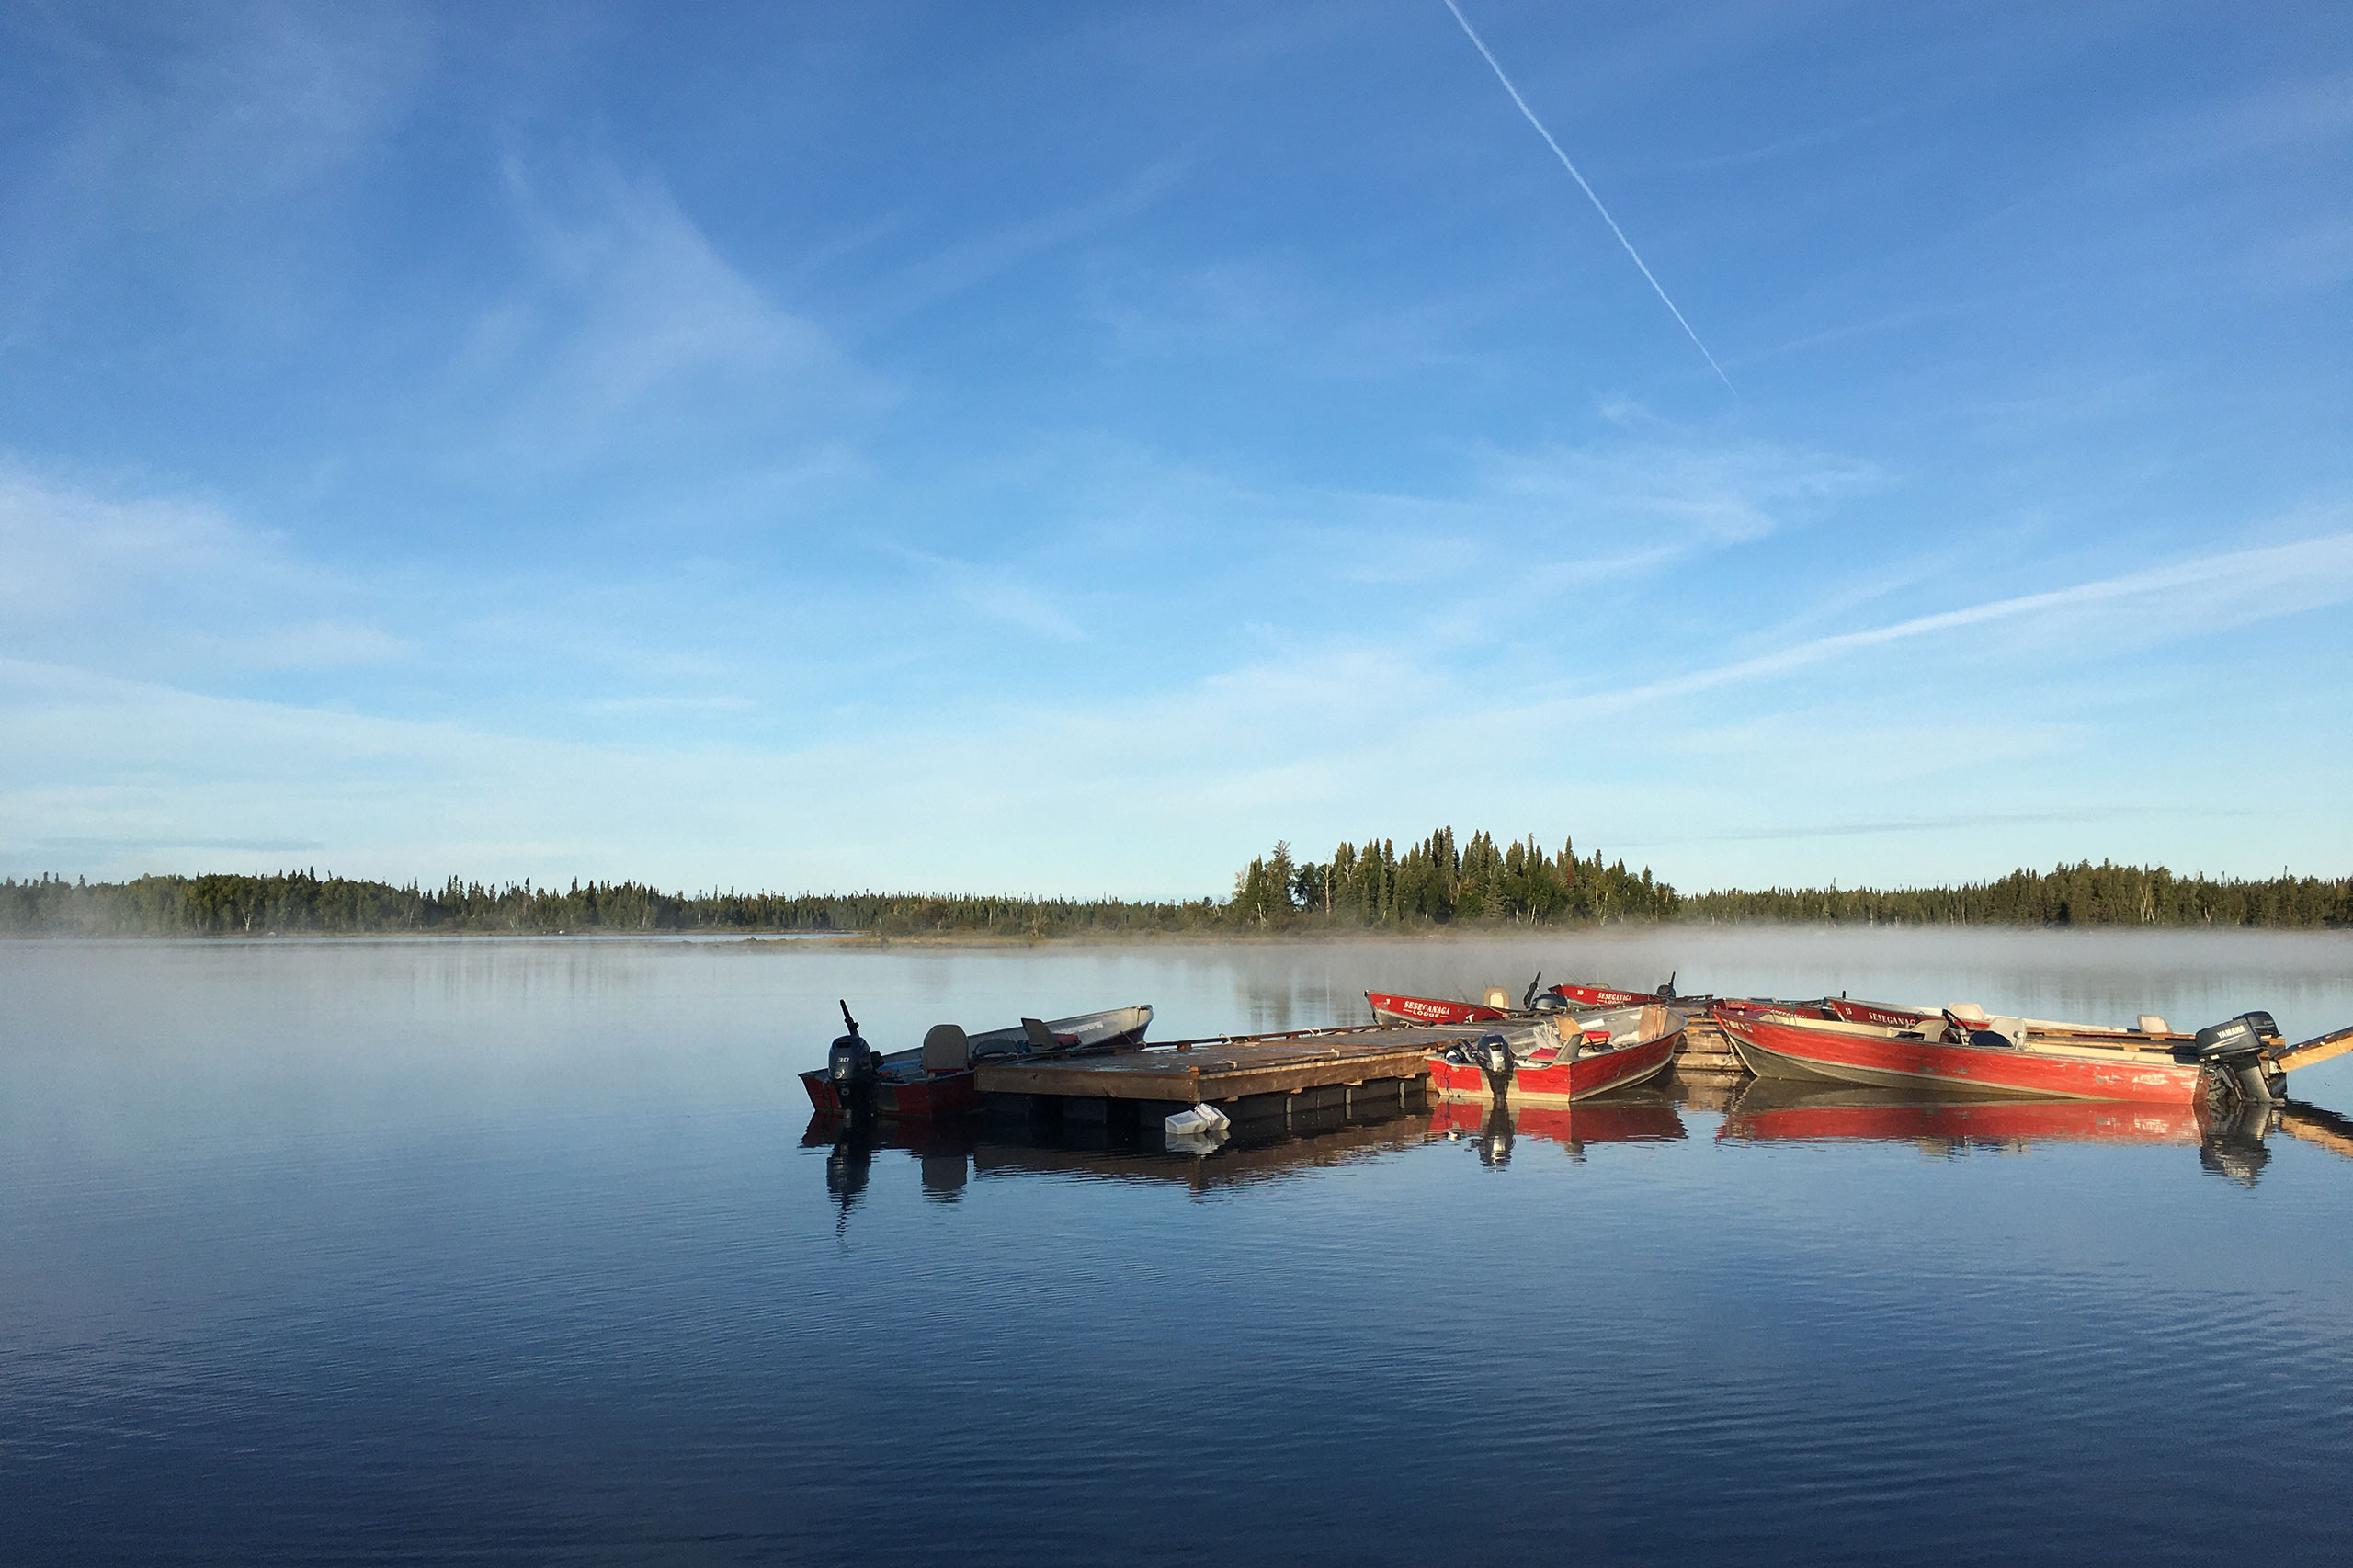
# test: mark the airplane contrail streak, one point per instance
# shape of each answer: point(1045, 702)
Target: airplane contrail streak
point(1481, 44)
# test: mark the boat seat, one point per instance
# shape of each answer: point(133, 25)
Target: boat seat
point(945, 1049)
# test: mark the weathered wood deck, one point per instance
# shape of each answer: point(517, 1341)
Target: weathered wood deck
point(1705, 1047)
point(2312, 1053)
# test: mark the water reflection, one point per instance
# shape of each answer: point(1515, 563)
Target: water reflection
point(1780, 1111)
point(1638, 1115)
point(951, 1152)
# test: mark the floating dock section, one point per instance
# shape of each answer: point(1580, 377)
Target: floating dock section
point(1254, 1078)
point(1705, 1049)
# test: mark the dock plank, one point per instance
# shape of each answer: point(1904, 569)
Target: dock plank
point(2313, 1051)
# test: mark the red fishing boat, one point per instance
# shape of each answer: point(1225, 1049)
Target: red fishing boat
point(1586, 995)
point(1560, 1059)
point(935, 1077)
point(1391, 1008)
point(1949, 1052)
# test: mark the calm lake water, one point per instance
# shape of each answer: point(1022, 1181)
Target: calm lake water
point(422, 1251)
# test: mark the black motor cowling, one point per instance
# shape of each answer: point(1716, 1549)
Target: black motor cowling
point(849, 1061)
point(2219, 1042)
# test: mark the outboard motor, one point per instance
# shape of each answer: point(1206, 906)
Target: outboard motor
point(1552, 1002)
point(1529, 1001)
point(849, 1064)
point(2234, 1047)
point(1495, 1053)
point(1666, 992)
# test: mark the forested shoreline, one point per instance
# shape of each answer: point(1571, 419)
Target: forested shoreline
point(1437, 882)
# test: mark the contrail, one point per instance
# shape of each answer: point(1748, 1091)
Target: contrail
point(1472, 34)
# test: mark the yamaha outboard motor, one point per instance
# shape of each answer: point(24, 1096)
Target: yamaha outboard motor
point(849, 1064)
point(2237, 1049)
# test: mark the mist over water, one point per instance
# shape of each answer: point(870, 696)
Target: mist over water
point(513, 1250)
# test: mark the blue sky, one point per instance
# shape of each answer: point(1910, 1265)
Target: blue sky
point(1066, 448)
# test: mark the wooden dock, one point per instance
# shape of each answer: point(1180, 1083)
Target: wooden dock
point(2312, 1053)
point(1227, 1071)
point(1705, 1049)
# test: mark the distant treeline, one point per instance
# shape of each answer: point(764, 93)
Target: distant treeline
point(2081, 894)
point(293, 902)
point(1367, 886)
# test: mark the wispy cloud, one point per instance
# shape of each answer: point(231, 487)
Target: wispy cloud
point(966, 263)
point(166, 583)
point(997, 593)
point(2190, 597)
point(635, 331)
point(1781, 147)
point(186, 128)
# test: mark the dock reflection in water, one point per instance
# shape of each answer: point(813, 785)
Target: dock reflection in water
point(951, 1152)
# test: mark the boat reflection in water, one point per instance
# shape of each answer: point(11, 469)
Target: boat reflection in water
point(941, 1150)
point(1772, 1110)
point(956, 1150)
point(1634, 1116)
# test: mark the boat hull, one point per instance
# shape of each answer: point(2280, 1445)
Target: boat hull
point(940, 1094)
point(1885, 1014)
point(1604, 995)
point(1773, 1048)
point(1391, 1008)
